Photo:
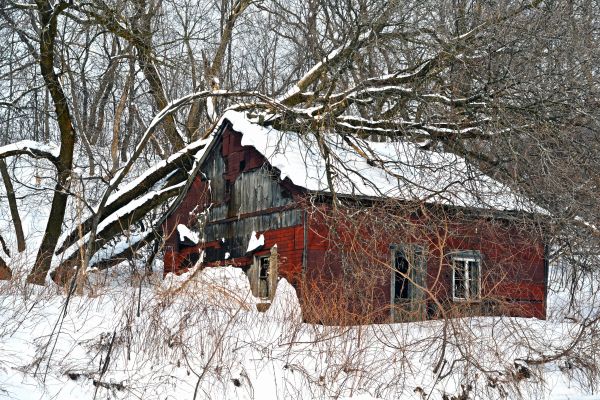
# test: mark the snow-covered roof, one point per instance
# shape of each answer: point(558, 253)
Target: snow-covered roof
point(399, 169)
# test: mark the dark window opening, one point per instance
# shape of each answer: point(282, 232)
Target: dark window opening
point(473, 275)
point(212, 254)
point(263, 266)
point(242, 165)
point(190, 260)
point(401, 282)
point(407, 283)
point(459, 279)
point(432, 310)
point(263, 271)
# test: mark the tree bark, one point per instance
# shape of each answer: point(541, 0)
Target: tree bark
point(12, 205)
point(114, 146)
point(142, 40)
point(48, 18)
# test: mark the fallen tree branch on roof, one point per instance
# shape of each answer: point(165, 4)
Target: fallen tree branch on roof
point(172, 170)
point(106, 257)
point(115, 224)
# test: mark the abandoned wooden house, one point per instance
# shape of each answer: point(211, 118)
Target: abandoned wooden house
point(397, 233)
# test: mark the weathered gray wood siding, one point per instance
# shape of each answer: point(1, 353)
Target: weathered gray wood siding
point(244, 205)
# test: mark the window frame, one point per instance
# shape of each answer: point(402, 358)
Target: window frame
point(401, 251)
point(414, 255)
point(470, 256)
point(257, 261)
point(259, 265)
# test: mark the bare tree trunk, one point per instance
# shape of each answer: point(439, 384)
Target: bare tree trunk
point(10, 192)
point(192, 123)
point(213, 72)
point(48, 19)
point(145, 57)
point(12, 205)
point(114, 147)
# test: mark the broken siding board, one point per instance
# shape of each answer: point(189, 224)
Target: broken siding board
point(252, 191)
point(259, 223)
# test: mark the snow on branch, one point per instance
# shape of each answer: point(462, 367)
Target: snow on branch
point(171, 108)
point(120, 220)
point(125, 247)
point(404, 76)
point(30, 148)
point(174, 170)
point(293, 95)
point(400, 127)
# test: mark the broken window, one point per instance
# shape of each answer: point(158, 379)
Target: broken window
point(262, 264)
point(401, 277)
point(263, 267)
point(407, 282)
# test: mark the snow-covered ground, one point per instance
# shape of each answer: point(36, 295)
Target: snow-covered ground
point(200, 336)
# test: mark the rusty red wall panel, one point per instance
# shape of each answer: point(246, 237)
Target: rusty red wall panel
point(290, 256)
point(234, 153)
point(512, 265)
point(197, 198)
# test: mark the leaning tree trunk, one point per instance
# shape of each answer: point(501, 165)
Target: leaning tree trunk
point(48, 19)
point(145, 57)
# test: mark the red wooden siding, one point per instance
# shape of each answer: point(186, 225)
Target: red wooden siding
point(237, 155)
point(196, 201)
point(512, 270)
